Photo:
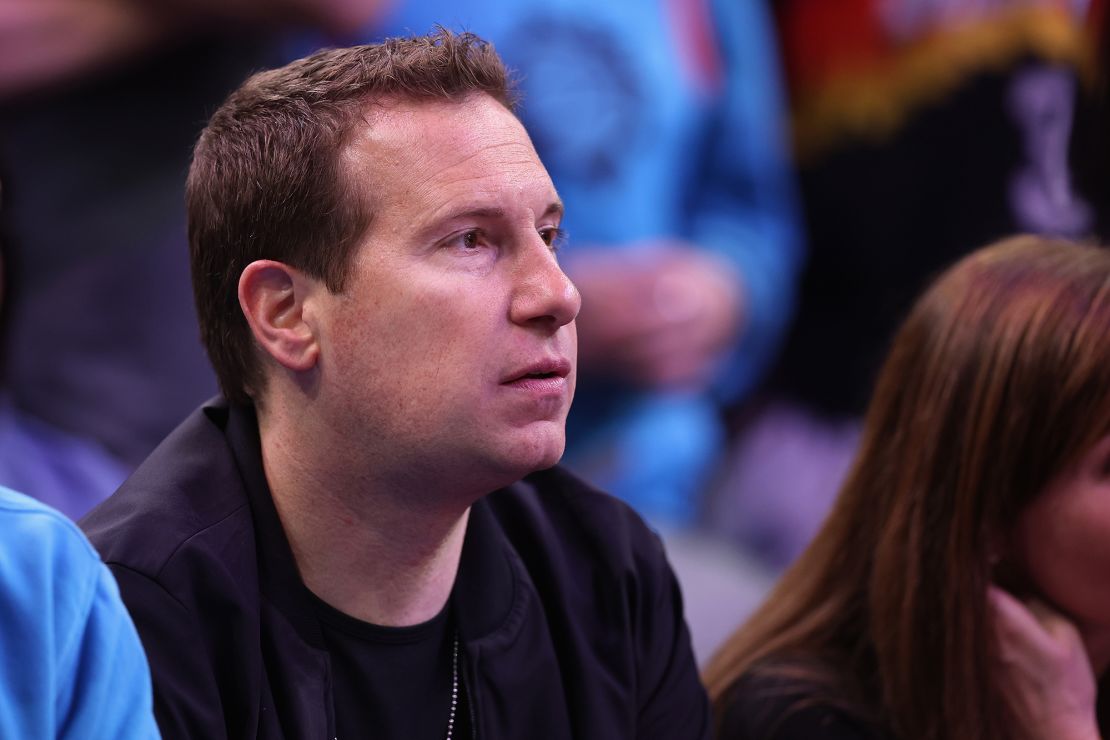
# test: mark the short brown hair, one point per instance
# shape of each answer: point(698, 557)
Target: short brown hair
point(997, 381)
point(267, 181)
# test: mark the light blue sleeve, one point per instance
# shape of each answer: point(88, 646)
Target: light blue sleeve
point(110, 695)
point(71, 665)
point(746, 209)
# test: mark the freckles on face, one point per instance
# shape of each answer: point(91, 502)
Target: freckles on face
point(453, 290)
point(421, 355)
point(407, 335)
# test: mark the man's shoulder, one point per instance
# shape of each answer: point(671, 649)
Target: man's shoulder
point(609, 601)
point(188, 495)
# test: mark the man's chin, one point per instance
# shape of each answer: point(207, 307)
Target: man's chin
point(538, 453)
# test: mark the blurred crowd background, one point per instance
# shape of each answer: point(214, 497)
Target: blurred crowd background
point(756, 191)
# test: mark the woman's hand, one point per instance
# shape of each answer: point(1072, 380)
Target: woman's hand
point(1047, 676)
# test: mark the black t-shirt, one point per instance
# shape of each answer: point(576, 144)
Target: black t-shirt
point(392, 683)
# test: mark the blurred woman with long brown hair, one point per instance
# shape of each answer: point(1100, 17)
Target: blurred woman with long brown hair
point(960, 587)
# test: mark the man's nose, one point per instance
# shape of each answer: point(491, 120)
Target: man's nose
point(543, 295)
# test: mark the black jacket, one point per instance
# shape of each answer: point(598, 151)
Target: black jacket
point(568, 613)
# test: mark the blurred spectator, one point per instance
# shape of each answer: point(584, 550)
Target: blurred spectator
point(660, 123)
point(1090, 150)
point(100, 102)
point(71, 665)
point(921, 129)
point(35, 455)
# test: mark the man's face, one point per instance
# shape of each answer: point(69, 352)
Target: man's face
point(451, 353)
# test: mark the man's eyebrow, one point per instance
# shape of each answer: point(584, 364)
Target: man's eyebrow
point(554, 209)
point(483, 212)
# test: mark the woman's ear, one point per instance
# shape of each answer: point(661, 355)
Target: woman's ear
point(272, 296)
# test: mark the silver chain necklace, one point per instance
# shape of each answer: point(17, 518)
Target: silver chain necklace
point(454, 688)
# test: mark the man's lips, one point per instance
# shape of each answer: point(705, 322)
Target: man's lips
point(552, 368)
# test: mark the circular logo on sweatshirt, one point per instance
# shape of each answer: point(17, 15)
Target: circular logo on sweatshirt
point(583, 103)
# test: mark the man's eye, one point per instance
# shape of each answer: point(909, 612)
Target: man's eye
point(466, 241)
point(553, 237)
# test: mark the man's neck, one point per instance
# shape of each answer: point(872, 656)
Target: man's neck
point(378, 554)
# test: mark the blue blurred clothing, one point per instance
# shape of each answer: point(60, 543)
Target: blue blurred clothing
point(657, 121)
point(71, 665)
point(72, 474)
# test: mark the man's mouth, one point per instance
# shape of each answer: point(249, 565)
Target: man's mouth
point(546, 370)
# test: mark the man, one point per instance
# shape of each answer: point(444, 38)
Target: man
point(320, 555)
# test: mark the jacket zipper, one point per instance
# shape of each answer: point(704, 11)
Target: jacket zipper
point(471, 699)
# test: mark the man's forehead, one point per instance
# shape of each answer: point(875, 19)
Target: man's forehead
point(415, 145)
point(392, 127)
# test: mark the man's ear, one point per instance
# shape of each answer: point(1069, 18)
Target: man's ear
point(272, 296)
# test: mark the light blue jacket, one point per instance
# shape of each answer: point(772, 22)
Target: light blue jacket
point(71, 665)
